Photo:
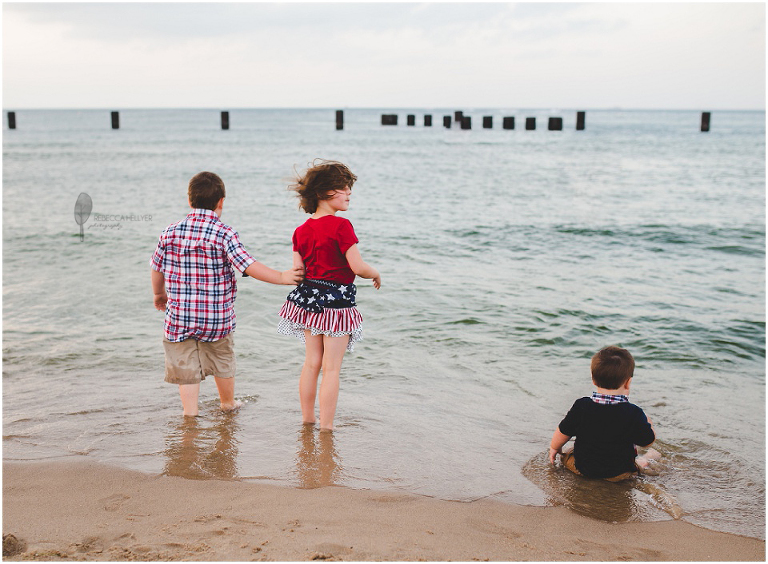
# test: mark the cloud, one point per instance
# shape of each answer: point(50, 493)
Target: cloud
point(384, 54)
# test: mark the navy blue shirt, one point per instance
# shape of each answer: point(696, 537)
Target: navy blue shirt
point(606, 436)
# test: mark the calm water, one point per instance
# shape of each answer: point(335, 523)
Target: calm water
point(507, 258)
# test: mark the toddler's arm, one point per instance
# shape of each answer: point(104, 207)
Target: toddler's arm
point(158, 289)
point(361, 268)
point(261, 272)
point(556, 445)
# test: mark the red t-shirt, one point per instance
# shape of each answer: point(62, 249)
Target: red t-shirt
point(322, 243)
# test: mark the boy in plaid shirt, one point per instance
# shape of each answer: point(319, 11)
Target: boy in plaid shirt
point(606, 426)
point(194, 283)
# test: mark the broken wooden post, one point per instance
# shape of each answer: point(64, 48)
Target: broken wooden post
point(530, 123)
point(457, 116)
point(487, 122)
point(555, 124)
point(225, 120)
point(339, 119)
point(705, 121)
point(115, 120)
point(447, 121)
point(508, 123)
point(427, 120)
point(411, 120)
point(580, 119)
point(388, 119)
point(11, 120)
point(466, 122)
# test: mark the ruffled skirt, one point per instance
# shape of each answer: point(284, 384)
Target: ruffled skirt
point(322, 308)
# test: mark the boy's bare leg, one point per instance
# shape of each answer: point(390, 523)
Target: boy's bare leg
point(333, 353)
point(313, 360)
point(189, 394)
point(226, 387)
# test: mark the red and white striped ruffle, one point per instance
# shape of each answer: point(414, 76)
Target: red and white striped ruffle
point(335, 322)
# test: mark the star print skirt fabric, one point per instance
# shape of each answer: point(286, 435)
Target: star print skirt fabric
point(323, 308)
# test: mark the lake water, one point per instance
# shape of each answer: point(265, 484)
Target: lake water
point(507, 258)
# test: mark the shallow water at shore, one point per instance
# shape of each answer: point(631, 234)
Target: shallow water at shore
point(508, 259)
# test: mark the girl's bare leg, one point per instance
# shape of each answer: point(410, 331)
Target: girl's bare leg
point(189, 394)
point(313, 360)
point(333, 353)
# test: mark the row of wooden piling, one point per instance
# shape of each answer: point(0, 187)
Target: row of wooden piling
point(465, 122)
point(508, 122)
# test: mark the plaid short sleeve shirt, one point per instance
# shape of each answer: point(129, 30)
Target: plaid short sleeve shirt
point(197, 257)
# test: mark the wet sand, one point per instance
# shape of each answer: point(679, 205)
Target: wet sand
point(86, 511)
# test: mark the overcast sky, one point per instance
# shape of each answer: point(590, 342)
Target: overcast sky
point(388, 55)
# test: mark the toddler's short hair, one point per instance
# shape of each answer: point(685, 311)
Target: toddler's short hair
point(205, 190)
point(612, 367)
point(320, 181)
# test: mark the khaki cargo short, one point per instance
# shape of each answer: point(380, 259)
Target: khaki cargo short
point(190, 361)
point(569, 461)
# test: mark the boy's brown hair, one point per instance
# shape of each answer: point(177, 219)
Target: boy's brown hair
point(612, 367)
point(205, 190)
point(320, 181)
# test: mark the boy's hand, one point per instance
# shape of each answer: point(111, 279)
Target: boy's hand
point(161, 300)
point(377, 281)
point(292, 277)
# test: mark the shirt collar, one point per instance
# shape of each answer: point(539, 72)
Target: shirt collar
point(607, 399)
point(201, 212)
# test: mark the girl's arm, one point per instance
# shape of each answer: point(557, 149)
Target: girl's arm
point(361, 268)
point(297, 261)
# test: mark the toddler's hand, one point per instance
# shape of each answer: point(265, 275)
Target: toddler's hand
point(161, 300)
point(553, 454)
point(377, 281)
point(292, 277)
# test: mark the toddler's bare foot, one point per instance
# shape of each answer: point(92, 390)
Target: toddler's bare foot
point(234, 406)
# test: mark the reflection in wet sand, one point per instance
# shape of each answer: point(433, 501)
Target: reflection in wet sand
point(630, 500)
point(317, 462)
point(201, 449)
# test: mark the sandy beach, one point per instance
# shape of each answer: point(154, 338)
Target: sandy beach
point(81, 510)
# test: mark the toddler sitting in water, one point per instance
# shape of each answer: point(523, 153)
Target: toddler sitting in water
point(606, 426)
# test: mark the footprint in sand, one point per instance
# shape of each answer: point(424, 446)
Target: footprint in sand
point(113, 502)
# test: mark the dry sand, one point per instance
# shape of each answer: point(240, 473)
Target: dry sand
point(85, 511)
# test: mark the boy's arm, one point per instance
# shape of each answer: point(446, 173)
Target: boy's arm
point(158, 289)
point(360, 267)
point(261, 272)
point(556, 444)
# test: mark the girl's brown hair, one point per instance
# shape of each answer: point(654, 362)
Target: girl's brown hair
point(319, 182)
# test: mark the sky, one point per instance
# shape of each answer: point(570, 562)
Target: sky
point(384, 55)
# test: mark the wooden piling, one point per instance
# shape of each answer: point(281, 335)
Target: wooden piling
point(530, 123)
point(388, 119)
point(508, 123)
point(225, 120)
point(11, 120)
point(447, 121)
point(487, 122)
point(411, 119)
point(705, 121)
point(457, 116)
point(427, 120)
point(580, 120)
point(466, 122)
point(555, 124)
point(339, 119)
point(115, 120)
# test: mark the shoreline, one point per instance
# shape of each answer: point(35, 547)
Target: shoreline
point(86, 510)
